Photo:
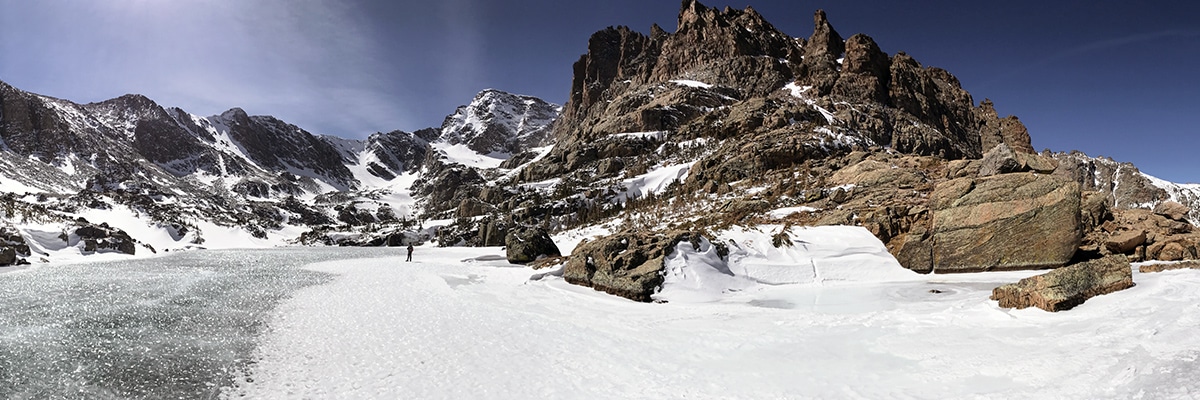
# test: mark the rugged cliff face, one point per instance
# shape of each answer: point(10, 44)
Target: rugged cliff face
point(730, 75)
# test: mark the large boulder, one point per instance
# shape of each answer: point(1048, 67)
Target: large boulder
point(1003, 222)
point(524, 245)
point(1067, 287)
point(872, 173)
point(12, 245)
point(626, 264)
point(8, 256)
point(1172, 210)
point(1124, 242)
point(1177, 250)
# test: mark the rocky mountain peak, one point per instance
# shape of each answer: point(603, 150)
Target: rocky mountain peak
point(825, 39)
point(694, 15)
point(130, 109)
point(691, 12)
point(128, 101)
point(235, 114)
point(730, 74)
point(397, 152)
point(500, 122)
point(821, 53)
point(707, 35)
point(865, 74)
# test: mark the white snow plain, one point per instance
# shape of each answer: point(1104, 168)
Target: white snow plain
point(463, 323)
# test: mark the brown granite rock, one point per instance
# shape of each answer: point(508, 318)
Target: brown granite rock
point(1004, 222)
point(1067, 287)
point(1172, 251)
point(994, 130)
point(473, 207)
point(1093, 210)
point(1172, 210)
point(865, 72)
point(1125, 241)
point(819, 65)
point(999, 160)
point(1002, 159)
point(1160, 267)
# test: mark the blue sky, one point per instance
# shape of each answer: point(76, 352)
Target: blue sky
point(1108, 78)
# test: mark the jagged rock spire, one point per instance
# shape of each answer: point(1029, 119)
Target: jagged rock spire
point(825, 39)
point(820, 66)
point(689, 12)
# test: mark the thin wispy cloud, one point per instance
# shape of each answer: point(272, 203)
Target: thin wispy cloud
point(1089, 48)
point(462, 60)
point(296, 59)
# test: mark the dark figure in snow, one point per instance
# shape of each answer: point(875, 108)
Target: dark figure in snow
point(410, 249)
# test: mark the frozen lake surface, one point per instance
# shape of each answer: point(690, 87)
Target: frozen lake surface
point(178, 326)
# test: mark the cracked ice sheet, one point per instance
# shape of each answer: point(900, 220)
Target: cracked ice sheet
point(462, 323)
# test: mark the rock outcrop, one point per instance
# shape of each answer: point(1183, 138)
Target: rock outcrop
point(995, 130)
point(103, 238)
point(626, 264)
point(1169, 266)
point(1003, 222)
point(12, 247)
point(1001, 159)
point(1125, 241)
point(1143, 235)
point(525, 245)
point(730, 74)
point(1067, 287)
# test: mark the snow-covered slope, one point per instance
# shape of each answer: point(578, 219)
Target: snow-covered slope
point(500, 124)
point(1184, 193)
point(1125, 185)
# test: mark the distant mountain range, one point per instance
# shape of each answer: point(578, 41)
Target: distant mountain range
point(180, 172)
point(726, 121)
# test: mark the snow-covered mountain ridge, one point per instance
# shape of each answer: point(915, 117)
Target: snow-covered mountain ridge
point(228, 180)
point(499, 123)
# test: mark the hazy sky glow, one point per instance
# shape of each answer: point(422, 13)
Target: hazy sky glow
point(1108, 78)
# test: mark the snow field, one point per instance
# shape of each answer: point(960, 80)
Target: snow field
point(461, 154)
point(463, 323)
point(655, 181)
point(691, 83)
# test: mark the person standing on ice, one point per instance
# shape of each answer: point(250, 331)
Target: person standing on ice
point(410, 249)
